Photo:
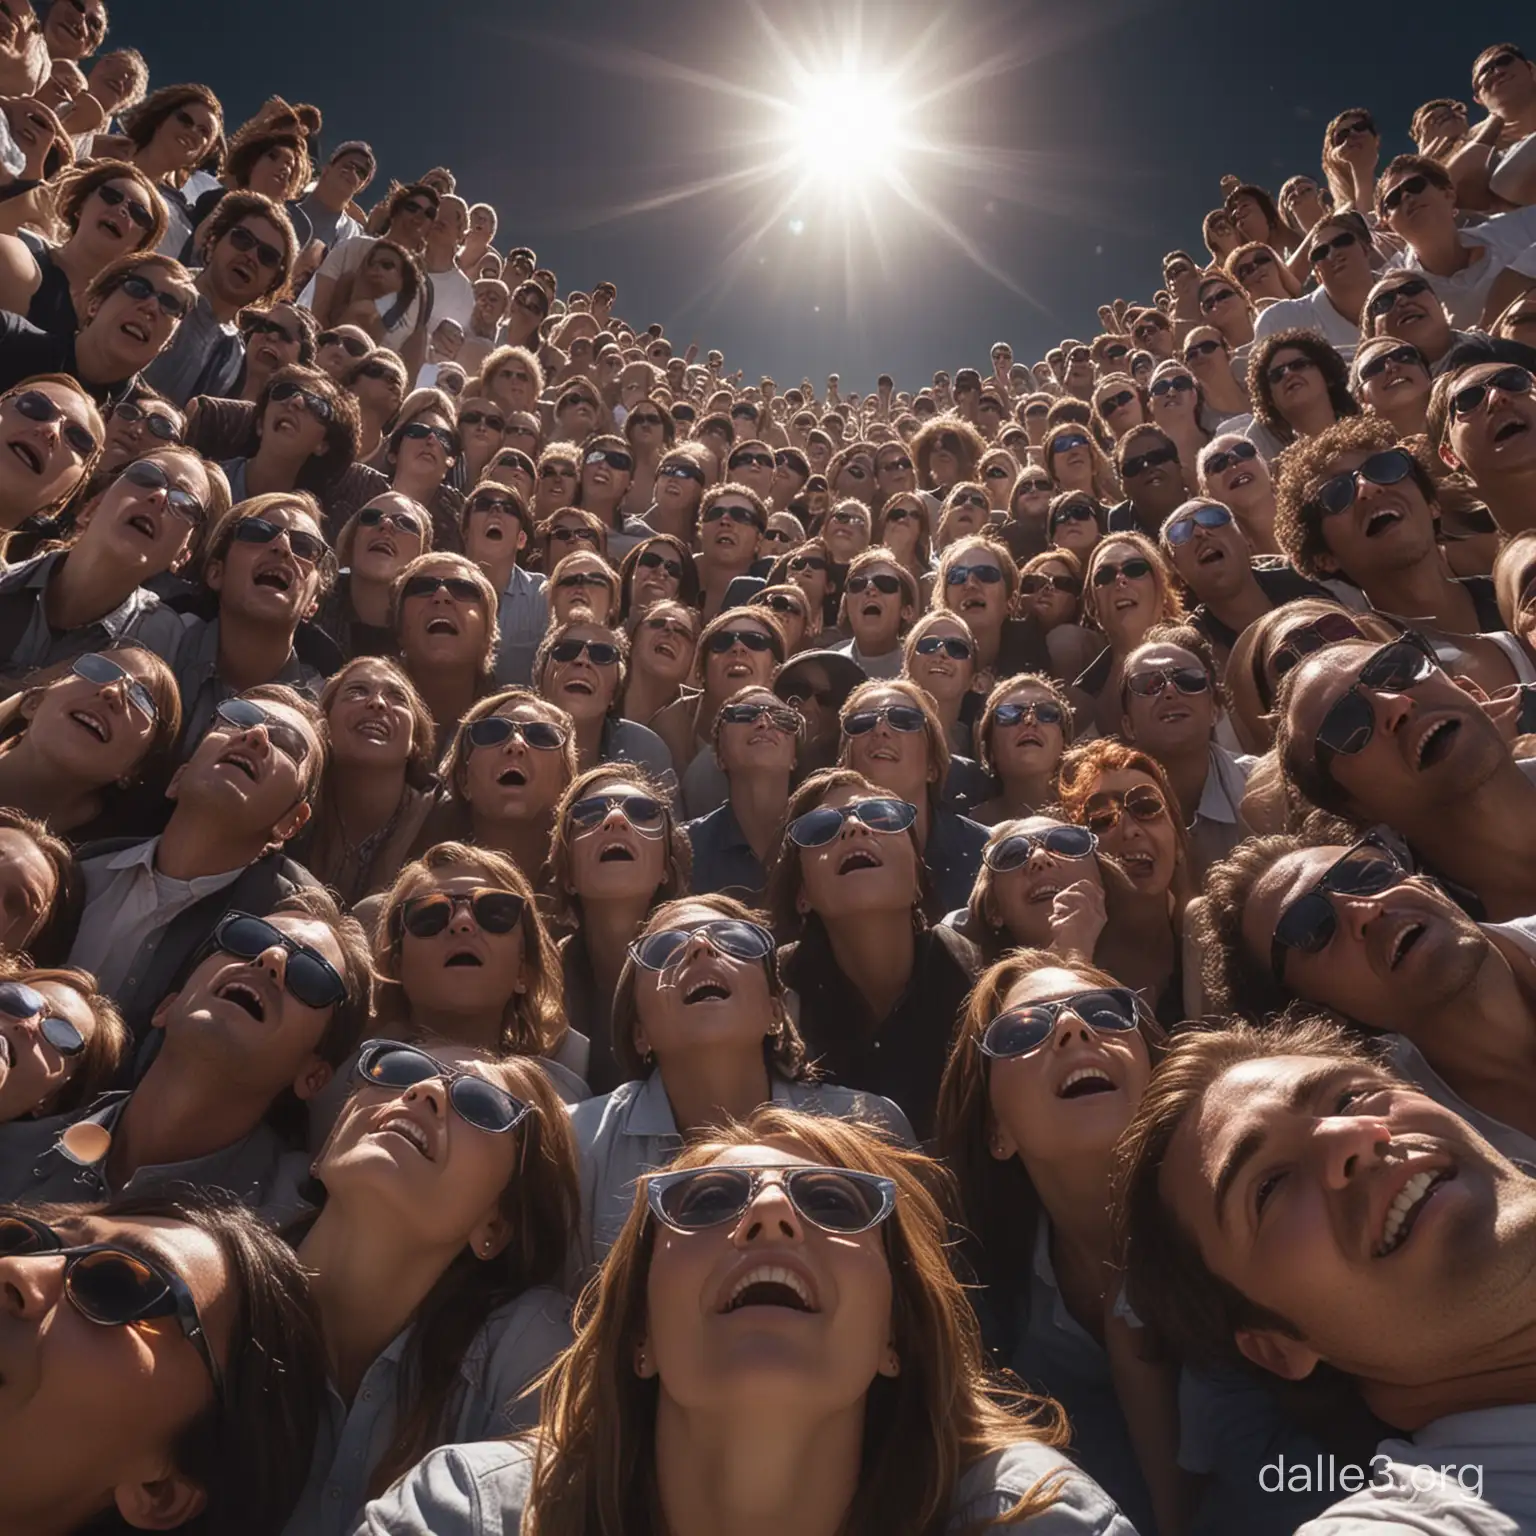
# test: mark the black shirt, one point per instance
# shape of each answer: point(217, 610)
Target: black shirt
point(1279, 581)
point(903, 1055)
point(26, 351)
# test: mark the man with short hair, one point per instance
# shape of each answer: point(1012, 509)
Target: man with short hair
point(247, 788)
point(1482, 419)
point(817, 684)
point(274, 1004)
point(1153, 478)
point(676, 494)
point(452, 296)
point(1402, 304)
point(731, 524)
point(751, 464)
point(1288, 1202)
point(1231, 470)
point(345, 178)
point(967, 394)
point(1504, 85)
point(248, 248)
point(607, 471)
point(492, 298)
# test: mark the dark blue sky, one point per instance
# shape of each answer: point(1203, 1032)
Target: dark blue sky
point(1118, 120)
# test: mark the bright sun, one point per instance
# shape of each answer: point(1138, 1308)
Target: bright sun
point(846, 125)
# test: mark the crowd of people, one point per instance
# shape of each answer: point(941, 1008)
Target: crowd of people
point(993, 923)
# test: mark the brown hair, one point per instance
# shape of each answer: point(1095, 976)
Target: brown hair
point(456, 759)
point(97, 1065)
point(55, 936)
point(77, 186)
point(466, 569)
point(221, 534)
point(420, 764)
point(999, 695)
point(1170, 603)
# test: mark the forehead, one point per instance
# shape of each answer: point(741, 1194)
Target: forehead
point(946, 624)
point(1112, 780)
point(1048, 983)
point(371, 673)
point(18, 849)
point(1322, 677)
point(775, 1154)
point(1163, 655)
point(67, 1002)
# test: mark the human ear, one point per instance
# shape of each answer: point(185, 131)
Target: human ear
point(1277, 1353)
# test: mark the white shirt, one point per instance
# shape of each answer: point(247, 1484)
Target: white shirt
point(126, 900)
point(346, 259)
point(453, 298)
point(1218, 825)
point(1510, 241)
point(1312, 312)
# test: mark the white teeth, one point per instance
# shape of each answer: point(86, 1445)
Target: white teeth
point(403, 1125)
point(1045, 893)
point(1085, 1075)
point(771, 1274)
point(1398, 1212)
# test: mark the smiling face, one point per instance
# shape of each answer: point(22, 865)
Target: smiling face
point(1400, 390)
point(268, 583)
point(1379, 1224)
point(1147, 850)
point(38, 463)
point(90, 733)
point(942, 676)
point(28, 885)
point(1245, 484)
point(184, 137)
point(134, 523)
point(1346, 269)
point(1387, 528)
point(444, 630)
point(614, 860)
point(33, 1071)
point(728, 1332)
point(371, 723)
point(381, 552)
point(582, 688)
point(1497, 438)
point(1127, 606)
point(1020, 899)
point(241, 775)
point(463, 969)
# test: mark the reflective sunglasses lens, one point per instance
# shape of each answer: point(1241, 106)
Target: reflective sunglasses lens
point(63, 1036)
point(836, 1201)
point(711, 1197)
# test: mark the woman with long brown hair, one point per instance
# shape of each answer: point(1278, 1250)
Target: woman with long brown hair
point(776, 1342)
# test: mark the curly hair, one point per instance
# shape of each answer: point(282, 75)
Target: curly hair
point(1333, 368)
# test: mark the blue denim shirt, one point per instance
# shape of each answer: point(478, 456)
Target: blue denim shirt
point(723, 860)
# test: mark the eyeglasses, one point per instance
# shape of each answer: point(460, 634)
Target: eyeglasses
point(1337, 493)
point(1042, 710)
point(244, 715)
point(778, 536)
point(317, 405)
point(600, 652)
point(1343, 132)
point(1187, 680)
point(1133, 570)
point(1035, 487)
point(1513, 381)
point(160, 425)
point(1138, 465)
point(1406, 354)
point(115, 197)
point(1067, 442)
point(900, 717)
point(1277, 371)
point(1113, 403)
point(478, 1103)
point(493, 730)
point(353, 346)
point(114, 1286)
point(1386, 300)
point(1255, 264)
point(260, 325)
point(840, 1200)
point(1410, 186)
point(557, 472)
point(381, 370)
point(458, 587)
point(817, 828)
point(1019, 1031)
point(1498, 61)
point(754, 640)
point(482, 418)
point(306, 547)
point(1104, 810)
point(612, 457)
point(489, 501)
point(780, 718)
point(852, 519)
point(1201, 349)
point(807, 563)
point(958, 575)
point(36, 406)
point(148, 475)
point(420, 431)
point(140, 289)
point(1350, 723)
point(1340, 242)
point(1179, 383)
point(644, 421)
point(737, 514)
point(103, 672)
point(1310, 921)
point(1015, 851)
point(1238, 453)
point(19, 1001)
point(1075, 512)
point(953, 646)
point(678, 470)
point(307, 974)
point(651, 561)
point(493, 911)
point(880, 581)
point(1182, 531)
point(895, 466)
point(244, 241)
point(1325, 629)
point(644, 813)
point(730, 937)
point(760, 460)
point(1209, 301)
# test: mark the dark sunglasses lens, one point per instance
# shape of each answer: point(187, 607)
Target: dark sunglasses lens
point(114, 1287)
point(396, 1067)
point(1016, 1032)
point(1307, 925)
point(1109, 1009)
point(17, 1237)
point(482, 1104)
point(63, 1036)
point(709, 1199)
point(497, 911)
point(836, 1202)
point(816, 828)
point(425, 916)
point(657, 950)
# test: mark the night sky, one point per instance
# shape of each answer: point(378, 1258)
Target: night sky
point(1109, 126)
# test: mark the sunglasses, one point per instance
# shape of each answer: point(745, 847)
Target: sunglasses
point(351, 345)
point(778, 536)
point(881, 582)
point(1253, 265)
point(1069, 441)
point(115, 197)
point(1326, 629)
point(787, 720)
point(1040, 487)
point(612, 457)
point(1337, 493)
point(1042, 710)
point(244, 241)
point(584, 579)
point(36, 406)
point(683, 413)
point(1181, 532)
point(1209, 301)
point(760, 460)
point(414, 210)
point(952, 646)
point(1142, 462)
point(1513, 381)
point(1171, 384)
point(1201, 349)
point(1278, 371)
point(148, 475)
point(478, 1103)
point(680, 471)
point(1014, 851)
point(488, 501)
point(840, 1200)
point(1103, 811)
point(998, 472)
point(1188, 680)
point(307, 976)
point(807, 563)
point(1498, 61)
point(599, 652)
point(743, 515)
point(754, 640)
point(140, 289)
point(817, 828)
point(1133, 570)
point(103, 672)
point(644, 813)
point(420, 431)
point(483, 418)
point(493, 911)
point(1037, 410)
point(1411, 186)
point(1075, 513)
point(1310, 921)
point(260, 325)
point(316, 405)
point(1341, 135)
point(244, 715)
point(651, 561)
point(1238, 453)
point(495, 729)
point(112, 1286)
point(900, 717)
point(1019, 1031)
point(162, 427)
point(851, 519)
point(895, 466)
point(958, 575)
point(726, 936)
point(459, 587)
point(306, 547)
point(1113, 403)
point(1350, 723)
point(19, 1001)
point(1407, 353)
point(644, 421)
point(1386, 301)
point(380, 371)
point(1340, 242)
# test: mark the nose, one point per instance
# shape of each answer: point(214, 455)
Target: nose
point(256, 736)
point(1039, 860)
point(1069, 1029)
point(1356, 913)
point(1393, 711)
point(431, 1091)
point(769, 1218)
point(31, 1286)
point(1348, 1145)
point(273, 960)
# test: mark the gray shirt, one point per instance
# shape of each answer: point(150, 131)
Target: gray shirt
point(482, 1490)
point(884, 667)
point(632, 1131)
point(1218, 825)
point(522, 618)
point(512, 1348)
point(204, 358)
point(203, 690)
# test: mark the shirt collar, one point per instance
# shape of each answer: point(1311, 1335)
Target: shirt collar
point(141, 854)
point(1224, 788)
point(650, 1111)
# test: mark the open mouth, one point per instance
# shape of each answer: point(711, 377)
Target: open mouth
point(494, 531)
point(1210, 555)
point(92, 723)
point(142, 522)
point(402, 1125)
point(275, 577)
point(707, 992)
point(578, 685)
point(242, 272)
point(1403, 1213)
point(666, 648)
point(1173, 714)
point(871, 610)
point(135, 332)
point(463, 957)
point(856, 859)
point(1124, 603)
point(5, 1053)
point(1084, 1083)
point(1407, 937)
point(1436, 743)
point(616, 853)
point(770, 1286)
point(382, 547)
point(1382, 519)
point(110, 228)
point(970, 604)
point(244, 997)
point(28, 456)
point(1044, 895)
point(373, 730)
point(442, 626)
point(246, 765)
point(1139, 866)
point(1514, 427)
point(513, 776)
point(1238, 481)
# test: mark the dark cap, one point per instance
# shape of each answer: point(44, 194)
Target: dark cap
point(844, 674)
